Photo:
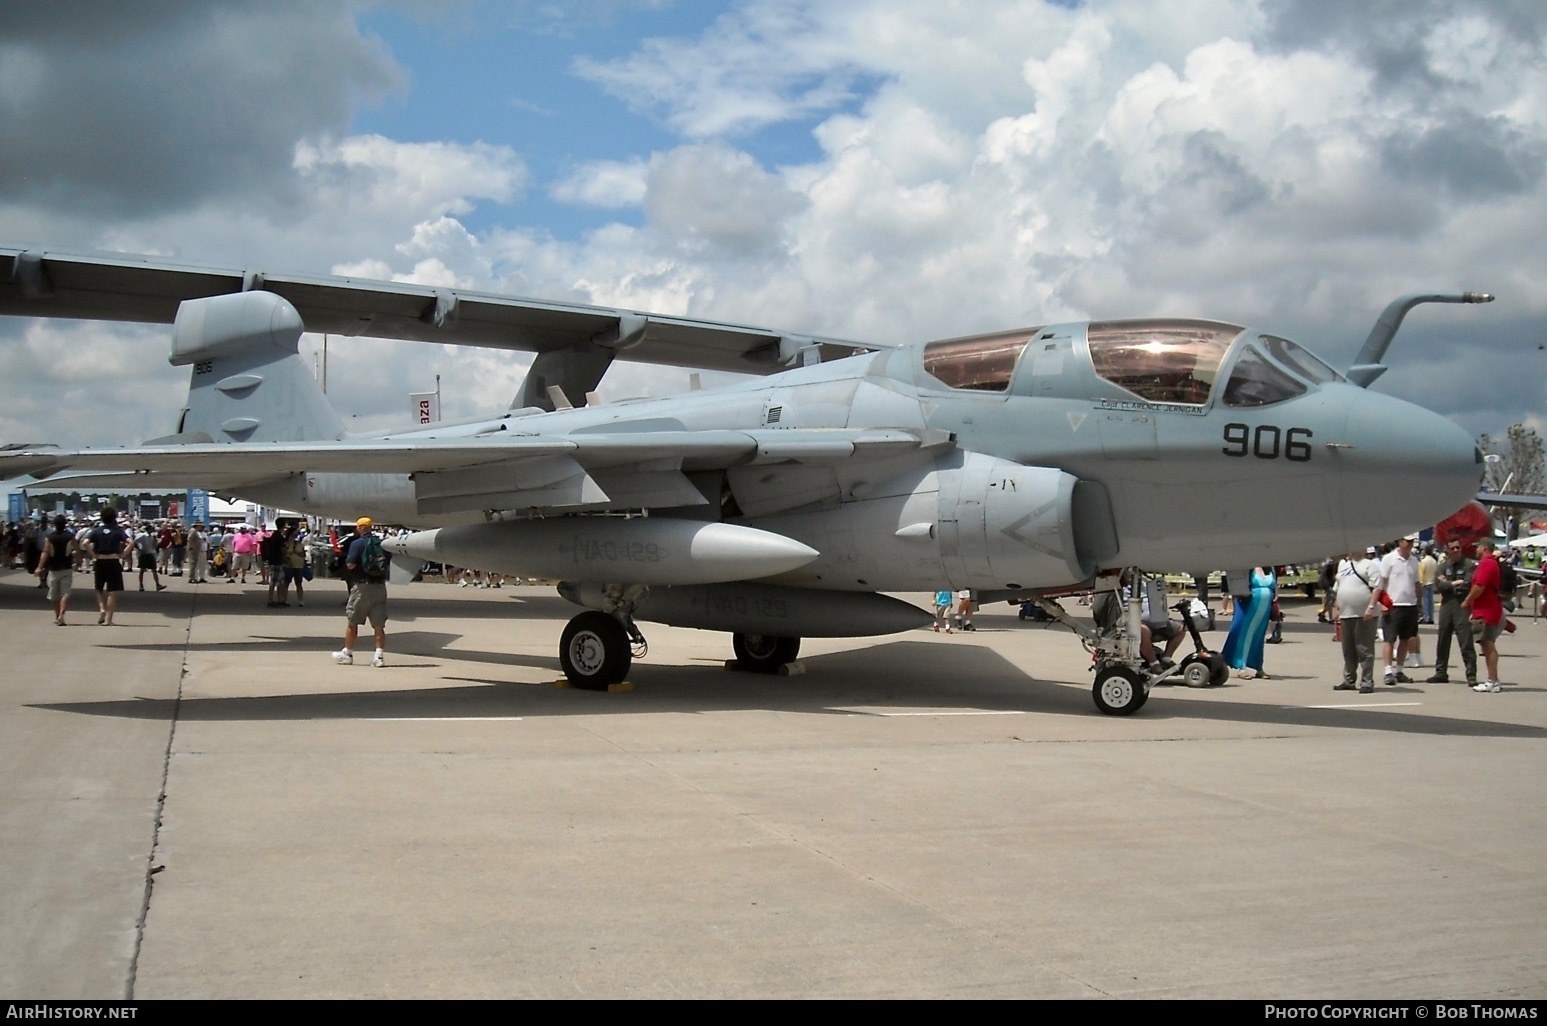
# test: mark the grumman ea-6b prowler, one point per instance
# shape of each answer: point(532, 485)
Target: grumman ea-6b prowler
point(1030, 463)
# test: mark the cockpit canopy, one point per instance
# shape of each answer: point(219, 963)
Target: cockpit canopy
point(1171, 361)
point(1262, 373)
point(982, 363)
point(1178, 362)
point(1162, 361)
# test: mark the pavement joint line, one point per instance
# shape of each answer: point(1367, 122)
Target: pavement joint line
point(421, 719)
point(942, 712)
point(161, 803)
point(1362, 705)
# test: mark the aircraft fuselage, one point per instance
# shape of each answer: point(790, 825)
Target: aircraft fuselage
point(1052, 472)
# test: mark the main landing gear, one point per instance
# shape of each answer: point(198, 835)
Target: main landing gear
point(764, 653)
point(597, 649)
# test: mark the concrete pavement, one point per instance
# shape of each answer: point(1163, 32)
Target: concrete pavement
point(915, 816)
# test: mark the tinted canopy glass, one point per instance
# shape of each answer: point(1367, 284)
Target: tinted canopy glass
point(1163, 361)
point(1255, 381)
point(1298, 359)
point(984, 363)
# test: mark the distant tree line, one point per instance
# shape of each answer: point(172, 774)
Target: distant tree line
point(1520, 469)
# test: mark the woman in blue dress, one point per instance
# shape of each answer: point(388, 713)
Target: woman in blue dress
point(1244, 644)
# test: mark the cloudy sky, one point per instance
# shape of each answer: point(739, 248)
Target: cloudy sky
point(872, 169)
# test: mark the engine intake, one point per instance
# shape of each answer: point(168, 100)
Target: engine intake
point(1005, 525)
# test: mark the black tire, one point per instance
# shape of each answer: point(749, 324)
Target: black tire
point(1119, 691)
point(1219, 671)
point(764, 653)
point(1106, 609)
point(594, 651)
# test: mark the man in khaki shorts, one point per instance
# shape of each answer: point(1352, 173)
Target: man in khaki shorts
point(365, 567)
point(58, 563)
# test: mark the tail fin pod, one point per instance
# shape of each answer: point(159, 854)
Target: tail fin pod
point(249, 383)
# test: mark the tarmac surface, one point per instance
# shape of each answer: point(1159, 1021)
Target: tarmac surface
point(199, 803)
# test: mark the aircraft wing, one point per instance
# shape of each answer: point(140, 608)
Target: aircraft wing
point(118, 287)
point(591, 471)
point(147, 481)
point(697, 450)
point(1513, 501)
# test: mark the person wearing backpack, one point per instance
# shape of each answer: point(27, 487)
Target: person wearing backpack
point(365, 564)
point(293, 571)
point(1509, 582)
point(271, 552)
point(57, 565)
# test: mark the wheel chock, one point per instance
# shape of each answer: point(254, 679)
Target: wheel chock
point(623, 687)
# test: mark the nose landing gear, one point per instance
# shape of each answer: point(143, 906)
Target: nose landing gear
point(1122, 681)
point(1120, 690)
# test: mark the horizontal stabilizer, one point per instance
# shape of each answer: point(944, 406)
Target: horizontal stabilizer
point(35, 461)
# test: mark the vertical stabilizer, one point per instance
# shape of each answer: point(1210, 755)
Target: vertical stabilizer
point(248, 381)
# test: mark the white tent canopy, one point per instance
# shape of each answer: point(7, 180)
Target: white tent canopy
point(243, 512)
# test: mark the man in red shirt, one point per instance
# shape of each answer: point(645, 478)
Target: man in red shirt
point(1483, 600)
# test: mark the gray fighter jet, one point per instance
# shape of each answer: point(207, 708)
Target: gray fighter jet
point(1022, 464)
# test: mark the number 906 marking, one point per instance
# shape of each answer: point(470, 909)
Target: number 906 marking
point(1268, 442)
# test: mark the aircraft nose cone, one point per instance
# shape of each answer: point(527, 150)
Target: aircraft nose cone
point(1404, 468)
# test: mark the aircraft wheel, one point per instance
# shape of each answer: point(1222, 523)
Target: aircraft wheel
point(764, 653)
point(1119, 691)
point(594, 651)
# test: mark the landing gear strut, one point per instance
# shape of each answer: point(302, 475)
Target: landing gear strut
point(1122, 686)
